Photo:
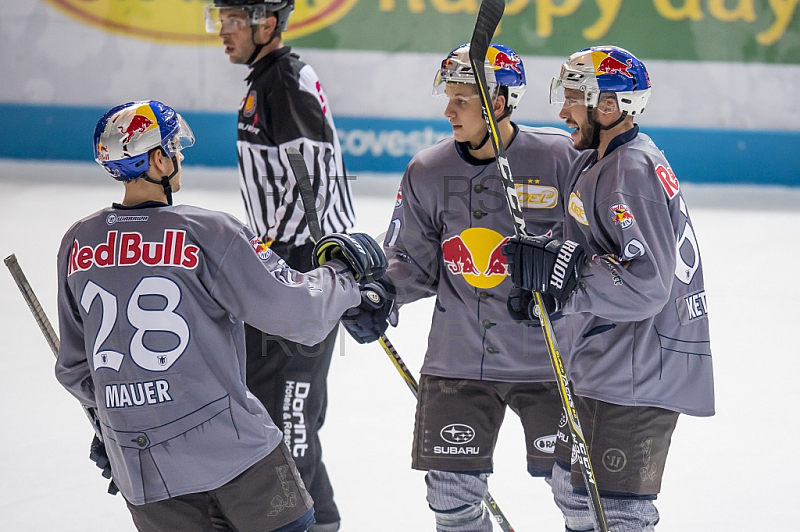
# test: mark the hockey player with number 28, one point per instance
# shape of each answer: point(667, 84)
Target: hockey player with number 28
point(445, 240)
point(151, 302)
point(639, 348)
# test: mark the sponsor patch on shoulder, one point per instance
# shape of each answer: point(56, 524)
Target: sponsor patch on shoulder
point(668, 180)
point(576, 210)
point(621, 215)
point(261, 249)
point(399, 201)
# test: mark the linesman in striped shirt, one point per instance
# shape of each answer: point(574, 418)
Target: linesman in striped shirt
point(285, 106)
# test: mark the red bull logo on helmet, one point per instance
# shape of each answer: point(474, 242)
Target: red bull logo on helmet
point(476, 254)
point(605, 64)
point(142, 121)
point(500, 59)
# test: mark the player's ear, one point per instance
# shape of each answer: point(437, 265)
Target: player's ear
point(499, 104)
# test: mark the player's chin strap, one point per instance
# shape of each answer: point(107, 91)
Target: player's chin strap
point(165, 180)
point(597, 127)
point(505, 114)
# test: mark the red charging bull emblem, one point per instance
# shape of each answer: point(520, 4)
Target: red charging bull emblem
point(477, 255)
point(138, 124)
point(622, 215)
point(261, 249)
point(605, 64)
point(500, 60)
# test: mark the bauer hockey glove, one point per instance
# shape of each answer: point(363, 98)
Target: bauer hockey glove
point(359, 251)
point(98, 455)
point(368, 321)
point(545, 265)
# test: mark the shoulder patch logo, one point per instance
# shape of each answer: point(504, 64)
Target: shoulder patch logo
point(399, 200)
point(575, 209)
point(668, 180)
point(261, 249)
point(622, 216)
point(249, 108)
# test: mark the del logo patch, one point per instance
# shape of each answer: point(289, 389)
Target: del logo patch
point(576, 210)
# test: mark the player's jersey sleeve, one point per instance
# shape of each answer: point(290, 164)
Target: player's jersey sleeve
point(72, 366)
point(258, 287)
point(630, 279)
point(412, 241)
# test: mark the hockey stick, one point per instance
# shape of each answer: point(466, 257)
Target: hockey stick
point(489, 15)
point(308, 198)
point(43, 323)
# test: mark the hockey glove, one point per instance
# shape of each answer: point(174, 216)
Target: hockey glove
point(359, 251)
point(545, 265)
point(368, 321)
point(98, 455)
point(523, 309)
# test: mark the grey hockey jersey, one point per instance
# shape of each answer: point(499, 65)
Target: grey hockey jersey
point(445, 240)
point(151, 303)
point(639, 321)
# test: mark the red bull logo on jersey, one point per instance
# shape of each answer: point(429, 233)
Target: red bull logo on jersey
point(622, 215)
point(605, 64)
point(130, 249)
point(142, 121)
point(499, 60)
point(668, 180)
point(476, 254)
point(262, 250)
point(399, 200)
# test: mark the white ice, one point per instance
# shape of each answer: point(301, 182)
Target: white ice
point(735, 471)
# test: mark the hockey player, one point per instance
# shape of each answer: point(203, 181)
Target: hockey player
point(151, 298)
point(285, 105)
point(636, 310)
point(444, 240)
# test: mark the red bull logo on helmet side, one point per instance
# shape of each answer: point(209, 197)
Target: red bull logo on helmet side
point(138, 125)
point(500, 59)
point(605, 64)
point(622, 215)
point(476, 255)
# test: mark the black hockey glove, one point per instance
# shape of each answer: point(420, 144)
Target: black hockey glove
point(368, 321)
point(359, 251)
point(98, 455)
point(523, 309)
point(545, 265)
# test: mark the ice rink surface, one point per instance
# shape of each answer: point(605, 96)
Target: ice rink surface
point(735, 471)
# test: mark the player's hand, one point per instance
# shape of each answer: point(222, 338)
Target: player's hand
point(523, 309)
point(545, 265)
point(98, 455)
point(359, 251)
point(368, 321)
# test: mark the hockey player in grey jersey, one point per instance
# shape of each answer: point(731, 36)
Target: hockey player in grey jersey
point(444, 240)
point(636, 310)
point(151, 299)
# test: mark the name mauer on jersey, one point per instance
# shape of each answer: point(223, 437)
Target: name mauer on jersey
point(130, 249)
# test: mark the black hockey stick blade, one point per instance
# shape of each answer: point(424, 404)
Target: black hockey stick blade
point(307, 195)
point(43, 322)
point(489, 15)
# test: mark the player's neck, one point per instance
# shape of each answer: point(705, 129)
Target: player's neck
point(140, 191)
point(607, 136)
